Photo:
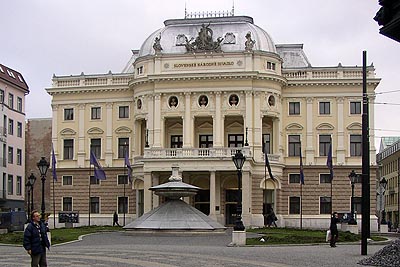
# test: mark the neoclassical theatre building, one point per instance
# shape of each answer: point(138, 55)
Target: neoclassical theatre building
point(197, 90)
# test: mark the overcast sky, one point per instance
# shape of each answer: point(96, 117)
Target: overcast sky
point(67, 37)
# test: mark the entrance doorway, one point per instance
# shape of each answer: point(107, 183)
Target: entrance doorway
point(230, 207)
point(268, 203)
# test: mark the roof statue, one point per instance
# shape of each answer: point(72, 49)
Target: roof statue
point(249, 44)
point(204, 41)
point(157, 44)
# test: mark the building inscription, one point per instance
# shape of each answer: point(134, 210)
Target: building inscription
point(203, 64)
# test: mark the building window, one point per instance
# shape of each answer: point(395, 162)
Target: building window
point(176, 141)
point(10, 126)
point(294, 178)
point(202, 201)
point(67, 203)
point(123, 112)
point(1, 96)
point(68, 114)
point(324, 144)
point(93, 180)
point(139, 70)
point(294, 145)
point(19, 104)
point(19, 186)
point(357, 204)
point(67, 180)
point(294, 205)
point(325, 205)
point(68, 149)
point(123, 179)
point(355, 107)
point(205, 141)
point(19, 129)
point(173, 101)
point(96, 113)
point(19, 156)
point(266, 140)
point(95, 147)
point(122, 204)
point(235, 140)
point(10, 155)
point(271, 66)
point(324, 178)
point(324, 108)
point(123, 147)
point(94, 204)
point(355, 145)
point(10, 184)
point(11, 101)
point(294, 108)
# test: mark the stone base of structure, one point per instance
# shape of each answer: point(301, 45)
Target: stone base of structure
point(238, 238)
point(350, 228)
point(384, 228)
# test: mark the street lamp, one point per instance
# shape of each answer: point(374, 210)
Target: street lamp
point(31, 182)
point(43, 166)
point(239, 160)
point(28, 187)
point(352, 177)
point(383, 183)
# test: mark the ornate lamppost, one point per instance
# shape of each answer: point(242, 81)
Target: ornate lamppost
point(29, 184)
point(239, 159)
point(382, 184)
point(352, 176)
point(43, 166)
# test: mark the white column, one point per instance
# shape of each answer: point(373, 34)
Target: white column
point(54, 129)
point(340, 148)
point(155, 181)
point(147, 193)
point(187, 122)
point(217, 122)
point(246, 198)
point(213, 195)
point(257, 126)
point(157, 121)
point(150, 120)
point(308, 146)
point(249, 118)
point(109, 134)
point(81, 135)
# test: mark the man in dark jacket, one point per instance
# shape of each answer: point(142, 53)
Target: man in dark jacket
point(334, 230)
point(36, 241)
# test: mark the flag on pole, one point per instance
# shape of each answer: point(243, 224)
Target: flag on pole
point(53, 164)
point(98, 170)
point(329, 162)
point(267, 163)
point(128, 165)
point(301, 169)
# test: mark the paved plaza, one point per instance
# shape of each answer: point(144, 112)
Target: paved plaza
point(170, 250)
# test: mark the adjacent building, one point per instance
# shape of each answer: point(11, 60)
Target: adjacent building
point(196, 91)
point(13, 90)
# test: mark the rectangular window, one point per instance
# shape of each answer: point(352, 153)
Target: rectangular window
point(294, 145)
point(235, 140)
point(139, 70)
point(355, 145)
point(355, 107)
point(67, 204)
point(68, 149)
point(294, 205)
point(294, 108)
point(19, 186)
point(1, 96)
point(11, 101)
point(10, 184)
point(67, 180)
point(270, 65)
point(324, 108)
point(122, 204)
point(325, 205)
point(324, 178)
point(205, 141)
point(93, 180)
point(19, 104)
point(95, 146)
point(94, 204)
point(266, 140)
point(68, 114)
point(176, 141)
point(19, 129)
point(19, 156)
point(96, 113)
point(10, 126)
point(324, 144)
point(357, 204)
point(123, 179)
point(10, 155)
point(123, 147)
point(294, 178)
point(123, 112)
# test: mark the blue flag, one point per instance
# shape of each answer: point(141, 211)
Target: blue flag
point(301, 169)
point(128, 165)
point(329, 162)
point(53, 164)
point(98, 170)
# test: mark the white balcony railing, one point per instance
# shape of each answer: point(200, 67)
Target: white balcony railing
point(159, 153)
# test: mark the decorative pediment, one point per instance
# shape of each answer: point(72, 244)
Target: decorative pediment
point(95, 130)
point(205, 125)
point(123, 130)
point(355, 126)
point(67, 131)
point(325, 126)
point(176, 125)
point(235, 124)
point(294, 127)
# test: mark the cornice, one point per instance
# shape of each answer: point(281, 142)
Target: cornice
point(85, 89)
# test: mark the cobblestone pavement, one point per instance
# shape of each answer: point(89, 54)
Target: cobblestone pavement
point(169, 250)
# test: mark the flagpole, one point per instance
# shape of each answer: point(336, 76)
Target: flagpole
point(125, 181)
point(54, 208)
point(301, 206)
point(90, 172)
point(265, 181)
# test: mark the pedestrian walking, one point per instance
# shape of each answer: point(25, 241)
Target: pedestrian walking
point(271, 218)
point(36, 240)
point(333, 229)
point(115, 219)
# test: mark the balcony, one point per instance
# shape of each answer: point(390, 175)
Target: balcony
point(192, 153)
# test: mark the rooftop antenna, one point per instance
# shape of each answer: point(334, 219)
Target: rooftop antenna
point(185, 11)
point(233, 8)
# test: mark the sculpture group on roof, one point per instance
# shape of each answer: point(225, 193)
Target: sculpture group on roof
point(204, 41)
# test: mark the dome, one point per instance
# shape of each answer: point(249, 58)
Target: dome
point(224, 34)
